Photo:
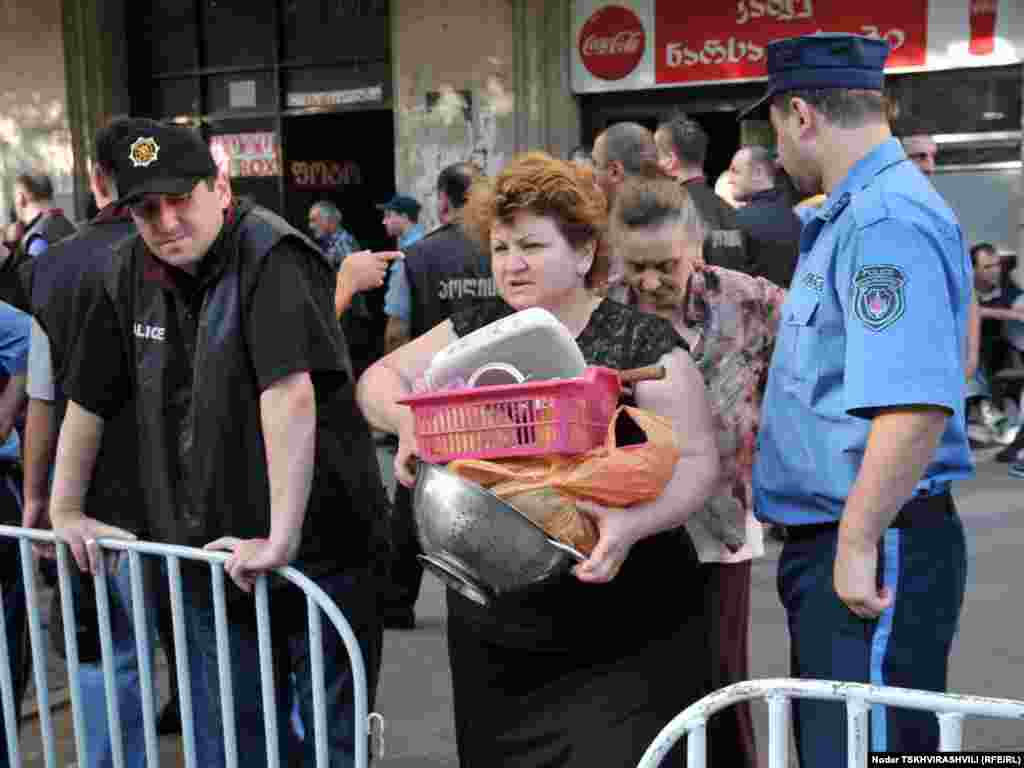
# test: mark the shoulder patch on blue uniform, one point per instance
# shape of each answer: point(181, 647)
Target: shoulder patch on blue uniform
point(878, 297)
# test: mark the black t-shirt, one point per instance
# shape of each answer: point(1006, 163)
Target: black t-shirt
point(598, 621)
point(146, 344)
point(286, 331)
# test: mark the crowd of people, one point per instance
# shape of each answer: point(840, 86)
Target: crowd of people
point(818, 318)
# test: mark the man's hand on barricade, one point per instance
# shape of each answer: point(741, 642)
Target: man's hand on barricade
point(81, 534)
point(251, 557)
point(856, 580)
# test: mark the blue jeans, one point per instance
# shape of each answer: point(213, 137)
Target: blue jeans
point(15, 616)
point(355, 595)
point(126, 678)
point(15, 606)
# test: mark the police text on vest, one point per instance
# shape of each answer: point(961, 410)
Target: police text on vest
point(154, 332)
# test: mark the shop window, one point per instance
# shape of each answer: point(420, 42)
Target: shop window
point(252, 149)
point(959, 101)
point(318, 30)
point(238, 33)
point(171, 32)
point(240, 91)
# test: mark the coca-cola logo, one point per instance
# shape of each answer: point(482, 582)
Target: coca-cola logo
point(612, 42)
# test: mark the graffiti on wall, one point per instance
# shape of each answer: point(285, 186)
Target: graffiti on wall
point(440, 125)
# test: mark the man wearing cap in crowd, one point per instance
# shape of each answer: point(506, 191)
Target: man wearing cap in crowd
point(862, 428)
point(443, 272)
point(218, 320)
point(401, 220)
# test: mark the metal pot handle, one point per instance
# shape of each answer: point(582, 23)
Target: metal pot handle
point(568, 549)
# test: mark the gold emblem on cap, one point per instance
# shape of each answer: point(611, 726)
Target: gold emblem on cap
point(144, 151)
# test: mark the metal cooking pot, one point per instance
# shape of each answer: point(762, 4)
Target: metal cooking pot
point(479, 544)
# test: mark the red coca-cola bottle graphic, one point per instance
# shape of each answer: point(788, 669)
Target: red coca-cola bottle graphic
point(983, 26)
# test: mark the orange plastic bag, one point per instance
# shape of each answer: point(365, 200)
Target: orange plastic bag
point(610, 475)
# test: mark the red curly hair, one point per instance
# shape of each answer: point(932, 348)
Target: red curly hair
point(545, 186)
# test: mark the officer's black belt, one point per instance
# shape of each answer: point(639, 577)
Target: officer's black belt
point(919, 512)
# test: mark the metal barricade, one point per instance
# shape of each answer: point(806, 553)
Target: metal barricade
point(949, 708)
point(367, 726)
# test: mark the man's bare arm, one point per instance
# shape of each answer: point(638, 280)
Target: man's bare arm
point(901, 443)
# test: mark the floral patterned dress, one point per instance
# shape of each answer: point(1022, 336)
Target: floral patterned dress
point(731, 320)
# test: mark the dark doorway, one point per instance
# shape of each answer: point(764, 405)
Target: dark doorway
point(347, 158)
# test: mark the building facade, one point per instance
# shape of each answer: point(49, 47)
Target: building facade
point(955, 70)
point(353, 100)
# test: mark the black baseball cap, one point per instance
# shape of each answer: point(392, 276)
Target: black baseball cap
point(402, 204)
point(822, 61)
point(154, 158)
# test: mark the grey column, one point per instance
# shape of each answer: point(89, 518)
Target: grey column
point(547, 114)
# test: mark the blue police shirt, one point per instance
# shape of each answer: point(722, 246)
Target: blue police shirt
point(876, 316)
point(398, 298)
point(15, 328)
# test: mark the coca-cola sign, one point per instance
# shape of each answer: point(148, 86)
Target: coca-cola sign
point(612, 42)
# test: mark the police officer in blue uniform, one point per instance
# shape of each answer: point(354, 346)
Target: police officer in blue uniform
point(863, 428)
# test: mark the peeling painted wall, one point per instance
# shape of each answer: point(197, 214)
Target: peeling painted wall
point(448, 48)
point(34, 131)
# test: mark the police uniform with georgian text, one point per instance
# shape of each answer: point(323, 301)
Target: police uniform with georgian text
point(876, 317)
point(446, 271)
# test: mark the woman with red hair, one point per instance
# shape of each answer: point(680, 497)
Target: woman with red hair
point(583, 671)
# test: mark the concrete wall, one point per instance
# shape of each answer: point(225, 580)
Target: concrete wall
point(512, 59)
point(446, 47)
point(34, 132)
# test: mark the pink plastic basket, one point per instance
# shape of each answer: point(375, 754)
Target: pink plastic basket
point(533, 419)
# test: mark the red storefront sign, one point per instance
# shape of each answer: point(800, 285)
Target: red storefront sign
point(726, 41)
point(612, 42)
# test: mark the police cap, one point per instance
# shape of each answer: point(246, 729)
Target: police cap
point(155, 158)
point(822, 61)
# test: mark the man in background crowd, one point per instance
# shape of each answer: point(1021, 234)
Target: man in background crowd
point(334, 240)
point(922, 150)
point(622, 151)
point(44, 225)
point(401, 220)
point(682, 146)
point(767, 217)
point(444, 272)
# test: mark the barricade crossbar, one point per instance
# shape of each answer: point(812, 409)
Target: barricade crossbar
point(367, 726)
point(949, 708)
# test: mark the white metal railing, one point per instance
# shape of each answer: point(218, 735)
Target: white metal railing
point(950, 709)
point(367, 725)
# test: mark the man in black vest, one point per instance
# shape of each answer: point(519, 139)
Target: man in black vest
point(44, 223)
point(768, 220)
point(682, 148)
point(218, 320)
point(445, 270)
point(44, 226)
